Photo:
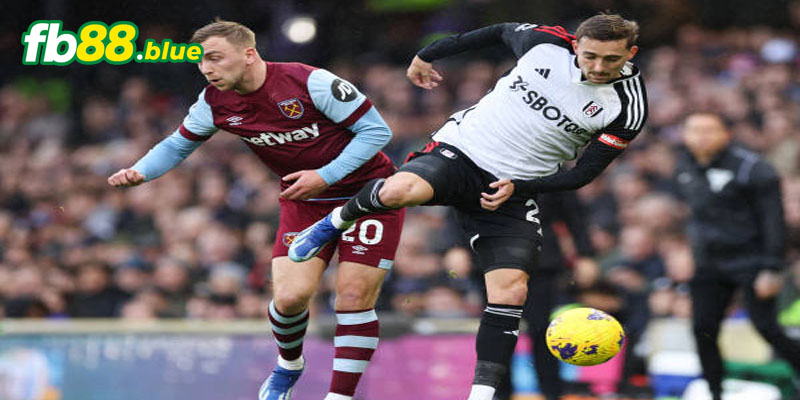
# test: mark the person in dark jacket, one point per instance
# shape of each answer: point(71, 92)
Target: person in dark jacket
point(736, 228)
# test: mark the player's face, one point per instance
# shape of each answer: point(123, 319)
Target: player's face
point(223, 64)
point(601, 61)
point(705, 135)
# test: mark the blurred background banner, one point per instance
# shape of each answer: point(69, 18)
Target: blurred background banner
point(102, 360)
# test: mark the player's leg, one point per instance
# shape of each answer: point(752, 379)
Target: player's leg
point(293, 286)
point(710, 297)
point(506, 242)
point(542, 291)
point(506, 290)
point(357, 328)
point(399, 190)
point(366, 252)
point(418, 181)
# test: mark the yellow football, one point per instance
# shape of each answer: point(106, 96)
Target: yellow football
point(584, 336)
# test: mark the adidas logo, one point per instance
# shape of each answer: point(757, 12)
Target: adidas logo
point(544, 72)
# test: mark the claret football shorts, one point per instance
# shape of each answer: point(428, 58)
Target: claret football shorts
point(372, 240)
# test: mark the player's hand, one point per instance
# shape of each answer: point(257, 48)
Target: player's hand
point(126, 177)
point(505, 188)
point(768, 284)
point(422, 74)
point(307, 184)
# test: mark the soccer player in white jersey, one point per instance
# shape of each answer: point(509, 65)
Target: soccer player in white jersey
point(489, 161)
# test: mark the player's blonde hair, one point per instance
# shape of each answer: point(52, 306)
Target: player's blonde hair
point(234, 32)
point(607, 27)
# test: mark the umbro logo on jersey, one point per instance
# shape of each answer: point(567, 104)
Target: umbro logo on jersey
point(359, 249)
point(234, 120)
point(591, 109)
point(544, 72)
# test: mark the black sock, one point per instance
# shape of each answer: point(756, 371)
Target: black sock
point(497, 337)
point(366, 201)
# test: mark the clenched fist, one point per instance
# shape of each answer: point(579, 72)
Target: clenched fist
point(126, 177)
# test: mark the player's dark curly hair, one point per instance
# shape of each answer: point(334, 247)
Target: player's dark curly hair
point(234, 32)
point(608, 27)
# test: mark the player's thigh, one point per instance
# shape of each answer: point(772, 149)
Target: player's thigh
point(296, 216)
point(357, 286)
point(453, 178)
point(373, 239)
point(406, 189)
point(509, 237)
point(292, 280)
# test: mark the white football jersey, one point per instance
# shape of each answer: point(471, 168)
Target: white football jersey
point(543, 111)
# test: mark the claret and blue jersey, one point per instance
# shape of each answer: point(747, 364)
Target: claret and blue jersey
point(300, 118)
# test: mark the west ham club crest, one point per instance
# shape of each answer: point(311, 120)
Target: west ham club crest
point(291, 108)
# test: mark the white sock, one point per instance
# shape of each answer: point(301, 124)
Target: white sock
point(481, 392)
point(337, 221)
point(337, 396)
point(293, 365)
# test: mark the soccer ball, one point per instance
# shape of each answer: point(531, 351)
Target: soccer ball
point(584, 336)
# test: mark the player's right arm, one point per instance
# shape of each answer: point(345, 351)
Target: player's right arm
point(518, 37)
point(196, 128)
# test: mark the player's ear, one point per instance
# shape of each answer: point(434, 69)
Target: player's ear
point(251, 55)
point(575, 46)
point(632, 51)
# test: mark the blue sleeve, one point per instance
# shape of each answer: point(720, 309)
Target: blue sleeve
point(333, 96)
point(199, 120)
point(165, 155)
point(197, 126)
point(372, 134)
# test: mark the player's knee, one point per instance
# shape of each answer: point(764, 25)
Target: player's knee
point(513, 293)
point(290, 302)
point(354, 295)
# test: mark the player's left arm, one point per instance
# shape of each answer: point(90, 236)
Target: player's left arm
point(345, 105)
point(597, 156)
point(603, 148)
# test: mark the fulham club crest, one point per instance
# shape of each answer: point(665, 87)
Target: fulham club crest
point(291, 108)
point(591, 109)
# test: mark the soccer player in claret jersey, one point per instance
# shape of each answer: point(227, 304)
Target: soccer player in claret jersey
point(490, 160)
point(323, 137)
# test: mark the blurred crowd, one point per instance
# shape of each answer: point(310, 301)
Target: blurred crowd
point(197, 242)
